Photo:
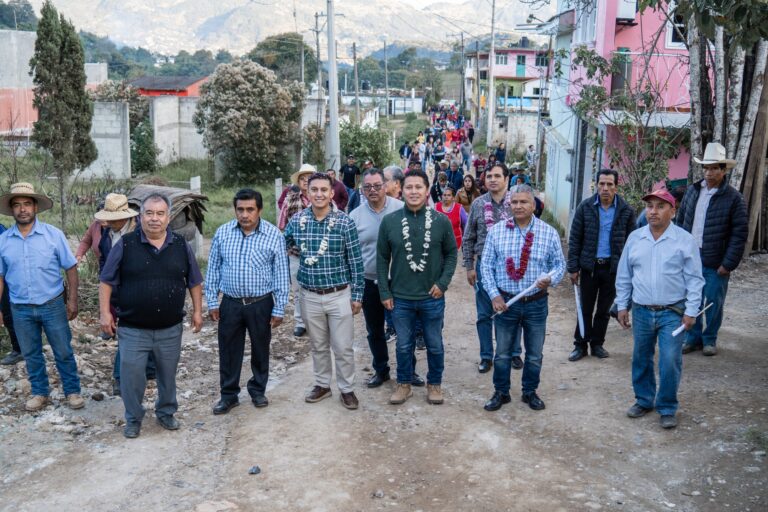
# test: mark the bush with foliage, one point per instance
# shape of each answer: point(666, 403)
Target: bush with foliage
point(313, 146)
point(143, 149)
point(366, 144)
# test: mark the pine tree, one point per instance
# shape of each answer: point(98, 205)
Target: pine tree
point(64, 108)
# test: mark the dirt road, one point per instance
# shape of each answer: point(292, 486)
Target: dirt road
point(581, 453)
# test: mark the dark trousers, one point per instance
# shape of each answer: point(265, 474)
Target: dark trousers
point(598, 290)
point(235, 319)
point(373, 311)
point(8, 319)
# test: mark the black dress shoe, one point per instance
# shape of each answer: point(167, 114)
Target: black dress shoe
point(599, 351)
point(418, 381)
point(517, 363)
point(168, 422)
point(224, 406)
point(533, 401)
point(12, 357)
point(132, 429)
point(497, 400)
point(377, 380)
point(637, 411)
point(485, 366)
point(299, 331)
point(578, 353)
point(260, 401)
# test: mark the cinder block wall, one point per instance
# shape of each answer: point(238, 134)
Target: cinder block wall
point(111, 134)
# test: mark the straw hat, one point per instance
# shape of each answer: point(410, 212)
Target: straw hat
point(24, 190)
point(115, 208)
point(715, 154)
point(305, 169)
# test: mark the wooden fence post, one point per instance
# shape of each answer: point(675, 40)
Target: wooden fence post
point(196, 186)
point(278, 191)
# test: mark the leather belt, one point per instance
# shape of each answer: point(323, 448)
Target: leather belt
point(655, 307)
point(603, 261)
point(245, 301)
point(530, 298)
point(326, 291)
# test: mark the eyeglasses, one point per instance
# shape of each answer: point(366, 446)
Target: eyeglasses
point(376, 187)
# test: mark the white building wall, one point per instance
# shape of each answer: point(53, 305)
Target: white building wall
point(111, 134)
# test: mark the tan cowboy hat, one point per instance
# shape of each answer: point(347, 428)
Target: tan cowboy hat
point(115, 208)
point(24, 190)
point(715, 154)
point(305, 169)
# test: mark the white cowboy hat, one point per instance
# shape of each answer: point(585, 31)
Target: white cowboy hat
point(715, 154)
point(305, 169)
point(115, 208)
point(24, 190)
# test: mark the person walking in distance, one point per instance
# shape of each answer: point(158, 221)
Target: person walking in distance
point(600, 227)
point(660, 272)
point(148, 271)
point(331, 279)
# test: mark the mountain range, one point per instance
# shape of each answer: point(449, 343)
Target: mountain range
point(168, 26)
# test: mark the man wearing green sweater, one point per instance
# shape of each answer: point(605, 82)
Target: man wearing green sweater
point(415, 261)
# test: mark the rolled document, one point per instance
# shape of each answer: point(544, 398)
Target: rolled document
point(682, 326)
point(579, 312)
point(528, 290)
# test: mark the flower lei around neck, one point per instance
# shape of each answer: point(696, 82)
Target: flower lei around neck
point(422, 264)
point(303, 218)
point(517, 274)
point(488, 211)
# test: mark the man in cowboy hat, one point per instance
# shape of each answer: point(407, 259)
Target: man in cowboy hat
point(120, 220)
point(296, 198)
point(715, 214)
point(32, 255)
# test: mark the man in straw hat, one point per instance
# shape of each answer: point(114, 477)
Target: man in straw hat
point(715, 214)
point(119, 220)
point(660, 272)
point(33, 254)
point(295, 200)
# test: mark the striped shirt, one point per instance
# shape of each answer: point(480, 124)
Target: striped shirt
point(248, 266)
point(342, 261)
point(503, 242)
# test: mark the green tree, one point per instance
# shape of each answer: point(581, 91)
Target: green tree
point(64, 109)
point(17, 14)
point(365, 143)
point(143, 149)
point(282, 54)
point(247, 117)
point(313, 145)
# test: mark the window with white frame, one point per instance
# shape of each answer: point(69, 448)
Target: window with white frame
point(521, 60)
point(501, 59)
point(677, 29)
point(586, 19)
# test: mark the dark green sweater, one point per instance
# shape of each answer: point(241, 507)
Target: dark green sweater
point(398, 279)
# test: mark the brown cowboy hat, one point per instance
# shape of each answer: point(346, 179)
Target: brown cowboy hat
point(24, 190)
point(115, 208)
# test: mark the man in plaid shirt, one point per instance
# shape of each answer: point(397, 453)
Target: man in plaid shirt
point(518, 254)
point(331, 279)
point(249, 265)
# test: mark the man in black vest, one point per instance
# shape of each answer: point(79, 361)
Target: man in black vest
point(149, 271)
point(600, 227)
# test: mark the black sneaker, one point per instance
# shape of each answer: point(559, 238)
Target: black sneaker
point(132, 430)
point(390, 335)
point(12, 357)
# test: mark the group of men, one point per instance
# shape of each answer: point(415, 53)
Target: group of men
point(396, 254)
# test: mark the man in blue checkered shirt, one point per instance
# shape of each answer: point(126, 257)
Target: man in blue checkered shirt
point(519, 253)
point(331, 280)
point(249, 266)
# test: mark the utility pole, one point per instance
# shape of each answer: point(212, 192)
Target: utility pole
point(320, 121)
point(301, 71)
point(477, 84)
point(462, 93)
point(491, 85)
point(357, 85)
point(333, 155)
point(386, 77)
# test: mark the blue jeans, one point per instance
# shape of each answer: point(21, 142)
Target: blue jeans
point(715, 288)
point(135, 346)
point(484, 322)
point(405, 316)
point(531, 319)
point(51, 317)
point(647, 327)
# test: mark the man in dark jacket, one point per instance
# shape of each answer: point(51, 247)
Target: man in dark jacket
point(715, 214)
point(599, 231)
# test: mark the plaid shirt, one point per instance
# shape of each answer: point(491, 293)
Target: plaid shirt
point(502, 242)
point(342, 262)
point(248, 266)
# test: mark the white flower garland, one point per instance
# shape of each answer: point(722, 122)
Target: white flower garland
point(421, 265)
point(311, 260)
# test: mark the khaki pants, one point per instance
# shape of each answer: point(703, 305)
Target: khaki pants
point(328, 319)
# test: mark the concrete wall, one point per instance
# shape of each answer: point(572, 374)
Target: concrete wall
point(175, 134)
point(96, 73)
point(516, 129)
point(111, 134)
point(16, 48)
